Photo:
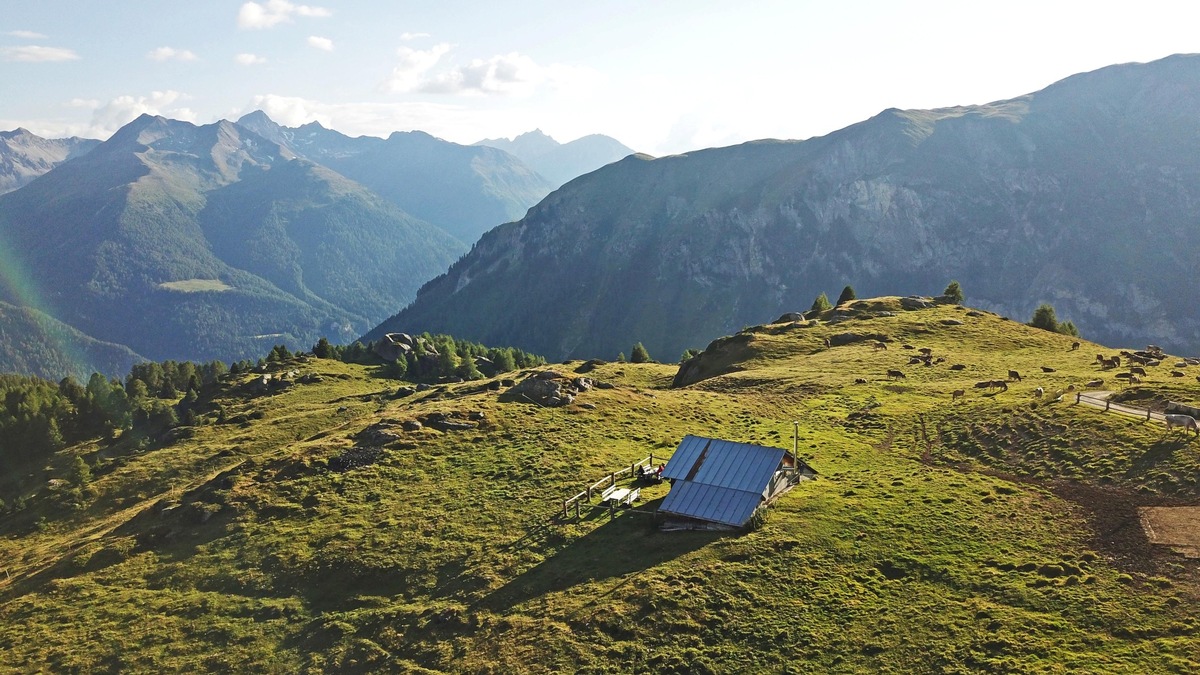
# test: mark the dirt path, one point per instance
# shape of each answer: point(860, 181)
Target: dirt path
point(1099, 399)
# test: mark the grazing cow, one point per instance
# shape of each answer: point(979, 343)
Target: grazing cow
point(1099, 358)
point(1116, 361)
point(914, 360)
point(859, 380)
point(986, 384)
point(1192, 362)
point(1185, 421)
point(896, 375)
point(926, 351)
point(1123, 376)
point(1181, 364)
point(1177, 373)
point(1047, 369)
point(907, 347)
point(957, 394)
point(1094, 384)
point(1153, 363)
point(1014, 375)
point(940, 359)
point(958, 366)
point(1075, 345)
point(1038, 392)
point(879, 346)
point(1000, 384)
point(1137, 370)
point(1198, 378)
point(928, 363)
point(1134, 379)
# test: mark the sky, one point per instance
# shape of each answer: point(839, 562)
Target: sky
point(661, 76)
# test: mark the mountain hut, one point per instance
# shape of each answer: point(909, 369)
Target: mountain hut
point(717, 484)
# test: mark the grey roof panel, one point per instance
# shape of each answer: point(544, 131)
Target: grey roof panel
point(710, 461)
point(710, 502)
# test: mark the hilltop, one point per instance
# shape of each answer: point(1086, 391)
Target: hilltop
point(1080, 195)
point(314, 527)
point(561, 162)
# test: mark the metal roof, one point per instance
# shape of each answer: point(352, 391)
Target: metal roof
point(712, 503)
point(710, 461)
point(719, 481)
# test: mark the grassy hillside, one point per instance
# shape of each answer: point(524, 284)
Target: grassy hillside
point(304, 530)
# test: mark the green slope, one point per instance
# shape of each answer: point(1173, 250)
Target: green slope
point(991, 534)
point(35, 344)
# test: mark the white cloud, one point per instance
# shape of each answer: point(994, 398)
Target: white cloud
point(324, 44)
point(109, 117)
point(170, 53)
point(409, 73)
point(36, 54)
point(27, 35)
point(511, 73)
point(267, 14)
point(250, 59)
point(413, 36)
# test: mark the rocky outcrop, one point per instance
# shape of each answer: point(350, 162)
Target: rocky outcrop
point(549, 389)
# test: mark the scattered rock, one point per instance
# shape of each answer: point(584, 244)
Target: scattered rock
point(951, 322)
point(914, 302)
point(411, 425)
point(975, 313)
point(789, 317)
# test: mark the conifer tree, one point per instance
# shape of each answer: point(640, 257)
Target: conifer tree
point(821, 303)
point(639, 354)
point(846, 296)
point(954, 293)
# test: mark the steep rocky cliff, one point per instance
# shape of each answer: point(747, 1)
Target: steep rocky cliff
point(1083, 195)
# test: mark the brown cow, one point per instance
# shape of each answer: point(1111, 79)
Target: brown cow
point(1047, 369)
point(896, 374)
point(1014, 375)
point(1137, 370)
point(958, 366)
point(1178, 373)
point(1075, 345)
point(999, 384)
point(879, 346)
point(957, 394)
point(1093, 384)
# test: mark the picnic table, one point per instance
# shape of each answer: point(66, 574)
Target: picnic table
point(621, 495)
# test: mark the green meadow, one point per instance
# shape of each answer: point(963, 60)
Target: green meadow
point(993, 533)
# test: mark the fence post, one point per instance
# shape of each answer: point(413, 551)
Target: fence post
point(1147, 414)
point(566, 502)
point(589, 491)
point(612, 478)
point(1107, 405)
point(1078, 396)
point(577, 509)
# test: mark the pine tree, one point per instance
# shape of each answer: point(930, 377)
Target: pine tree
point(323, 350)
point(954, 293)
point(846, 296)
point(1044, 318)
point(821, 304)
point(639, 354)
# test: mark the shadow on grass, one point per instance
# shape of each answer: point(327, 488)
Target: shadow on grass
point(1160, 451)
point(627, 544)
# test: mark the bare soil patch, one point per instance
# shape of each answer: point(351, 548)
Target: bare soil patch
point(1177, 527)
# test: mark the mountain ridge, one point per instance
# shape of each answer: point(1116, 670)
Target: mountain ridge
point(1024, 201)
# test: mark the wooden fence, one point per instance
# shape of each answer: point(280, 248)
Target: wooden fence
point(607, 481)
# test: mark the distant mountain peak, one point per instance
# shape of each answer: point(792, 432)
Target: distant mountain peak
point(560, 162)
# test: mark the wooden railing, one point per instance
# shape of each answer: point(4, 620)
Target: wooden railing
point(607, 481)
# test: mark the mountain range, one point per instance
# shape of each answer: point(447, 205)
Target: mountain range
point(210, 242)
point(1082, 195)
point(25, 156)
point(172, 240)
point(561, 162)
point(462, 189)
